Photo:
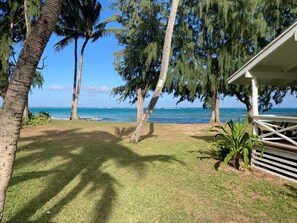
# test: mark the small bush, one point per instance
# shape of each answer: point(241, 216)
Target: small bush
point(40, 118)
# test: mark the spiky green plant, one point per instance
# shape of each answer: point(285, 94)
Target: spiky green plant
point(235, 142)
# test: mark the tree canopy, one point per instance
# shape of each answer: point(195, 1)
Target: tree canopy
point(142, 37)
point(214, 38)
point(12, 31)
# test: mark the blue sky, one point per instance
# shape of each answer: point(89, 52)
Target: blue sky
point(98, 78)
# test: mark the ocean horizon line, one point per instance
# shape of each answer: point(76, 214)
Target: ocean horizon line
point(108, 107)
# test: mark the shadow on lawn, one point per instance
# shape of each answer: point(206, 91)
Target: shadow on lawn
point(207, 138)
point(293, 191)
point(210, 153)
point(74, 163)
point(127, 132)
point(150, 134)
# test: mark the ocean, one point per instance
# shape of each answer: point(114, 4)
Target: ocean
point(159, 115)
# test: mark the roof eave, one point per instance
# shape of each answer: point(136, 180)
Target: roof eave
point(288, 33)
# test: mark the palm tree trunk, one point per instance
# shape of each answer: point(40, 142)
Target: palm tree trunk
point(12, 110)
point(140, 100)
point(163, 73)
point(79, 78)
point(74, 111)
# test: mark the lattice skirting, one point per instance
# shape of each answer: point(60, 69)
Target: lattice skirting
point(278, 162)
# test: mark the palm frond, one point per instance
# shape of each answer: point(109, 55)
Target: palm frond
point(63, 43)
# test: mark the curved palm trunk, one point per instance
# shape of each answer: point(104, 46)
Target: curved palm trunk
point(79, 78)
point(163, 73)
point(74, 111)
point(12, 110)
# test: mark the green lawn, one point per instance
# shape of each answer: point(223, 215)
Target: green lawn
point(89, 172)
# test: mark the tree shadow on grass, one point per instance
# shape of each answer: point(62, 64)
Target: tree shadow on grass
point(206, 138)
point(150, 134)
point(123, 132)
point(210, 153)
point(126, 132)
point(293, 191)
point(72, 163)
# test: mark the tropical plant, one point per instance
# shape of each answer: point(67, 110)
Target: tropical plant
point(235, 142)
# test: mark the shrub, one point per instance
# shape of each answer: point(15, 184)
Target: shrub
point(235, 142)
point(40, 118)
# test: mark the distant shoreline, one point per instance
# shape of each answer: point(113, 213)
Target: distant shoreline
point(159, 115)
point(145, 107)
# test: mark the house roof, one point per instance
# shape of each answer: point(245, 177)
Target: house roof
point(276, 64)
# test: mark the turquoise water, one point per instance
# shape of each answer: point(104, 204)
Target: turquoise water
point(160, 115)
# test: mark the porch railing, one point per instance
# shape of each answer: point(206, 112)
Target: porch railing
point(278, 131)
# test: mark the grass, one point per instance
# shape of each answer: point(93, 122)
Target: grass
point(89, 172)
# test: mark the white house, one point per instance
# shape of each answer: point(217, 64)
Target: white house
point(275, 65)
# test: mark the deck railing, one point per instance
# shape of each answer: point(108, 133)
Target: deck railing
point(279, 137)
point(277, 131)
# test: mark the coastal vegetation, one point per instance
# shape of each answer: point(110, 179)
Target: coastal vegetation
point(211, 40)
point(75, 162)
point(40, 118)
point(138, 63)
point(163, 72)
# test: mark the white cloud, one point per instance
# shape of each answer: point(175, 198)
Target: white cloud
point(91, 89)
point(87, 89)
point(58, 88)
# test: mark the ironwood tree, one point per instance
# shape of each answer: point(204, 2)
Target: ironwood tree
point(219, 37)
point(139, 62)
point(17, 18)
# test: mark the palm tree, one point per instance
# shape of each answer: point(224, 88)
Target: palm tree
point(17, 92)
point(71, 27)
point(79, 20)
point(163, 73)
